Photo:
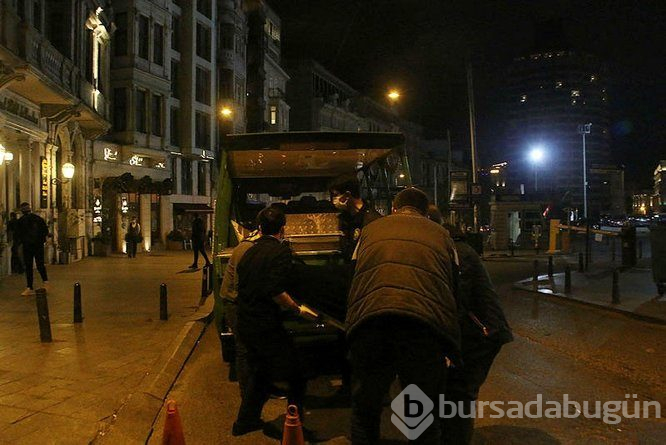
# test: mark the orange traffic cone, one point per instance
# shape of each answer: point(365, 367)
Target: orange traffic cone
point(173, 427)
point(292, 434)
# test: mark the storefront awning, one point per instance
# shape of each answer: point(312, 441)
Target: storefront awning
point(192, 208)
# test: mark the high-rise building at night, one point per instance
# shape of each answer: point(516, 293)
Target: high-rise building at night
point(548, 95)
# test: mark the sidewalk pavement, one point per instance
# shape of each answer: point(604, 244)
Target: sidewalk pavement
point(72, 390)
point(637, 290)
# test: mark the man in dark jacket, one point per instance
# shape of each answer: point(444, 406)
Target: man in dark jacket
point(355, 214)
point(402, 314)
point(484, 330)
point(264, 273)
point(32, 232)
point(199, 240)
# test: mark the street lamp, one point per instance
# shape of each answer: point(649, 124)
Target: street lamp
point(584, 130)
point(226, 112)
point(393, 96)
point(67, 173)
point(536, 155)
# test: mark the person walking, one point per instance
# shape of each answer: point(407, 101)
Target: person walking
point(264, 274)
point(133, 237)
point(32, 231)
point(402, 312)
point(12, 236)
point(484, 330)
point(199, 240)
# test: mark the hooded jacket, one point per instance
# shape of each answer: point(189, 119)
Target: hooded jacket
point(405, 268)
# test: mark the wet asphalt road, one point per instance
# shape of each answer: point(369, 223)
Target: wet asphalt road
point(560, 348)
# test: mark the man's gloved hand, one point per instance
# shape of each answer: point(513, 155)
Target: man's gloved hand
point(307, 313)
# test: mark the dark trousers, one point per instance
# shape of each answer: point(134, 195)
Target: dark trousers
point(271, 357)
point(34, 252)
point(380, 349)
point(462, 388)
point(16, 263)
point(199, 247)
point(131, 249)
point(240, 351)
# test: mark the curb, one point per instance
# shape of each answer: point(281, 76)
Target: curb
point(558, 296)
point(133, 421)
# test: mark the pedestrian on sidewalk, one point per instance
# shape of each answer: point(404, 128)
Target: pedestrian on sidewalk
point(402, 314)
point(12, 236)
point(484, 330)
point(264, 274)
point(199, 240)
point(133, 237)
point(229, 294)
point(32, 232)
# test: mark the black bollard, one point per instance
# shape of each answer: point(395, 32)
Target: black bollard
point(43, 316)
point(550, 266)
point(616, 287)
point(640, 249)
point(164, 315)
point(204, 282)
point(581, 263)
point(567, 279)
point(535, 273)
point(78, 312)
point(512, 246)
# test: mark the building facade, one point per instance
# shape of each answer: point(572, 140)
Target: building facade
point(659, 196)
point(54, 103)
point(155, 164)
point(548, 95)
point(267, 108)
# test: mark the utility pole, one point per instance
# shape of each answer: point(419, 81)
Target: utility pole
point(585, 130)
point(472, 137)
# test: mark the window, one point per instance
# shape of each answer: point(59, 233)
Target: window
point(523, 98)
point(59, 29)
point(90, 49)
point(559, 84)
point(227, 31)
point(575, 93)
point(158, 44)
point(202, 130)
point(119, 40)
point(20, 9)
point(175, 33)
point(225, 83)
point(185, 177)
point(120, 109)
point(204, 7)
point(140, 111)
point(274, 114)
point(201, 178)
point(175, 90)
point(174, 136)
point(203, 86)
point(36, 15)
point(203, 41)
point(143, 36)
point(156, 115)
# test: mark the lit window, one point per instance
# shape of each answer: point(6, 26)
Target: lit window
point(523, 98)
point(593, 78)
point(575, 93)
point(573, 101)
point(273, 115)
point(559, 84)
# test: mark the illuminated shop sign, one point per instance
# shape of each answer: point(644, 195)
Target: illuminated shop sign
point(44, 183)
point(97, 210)
point(160, 165)
point(110, 154)
point(137, 160)
point(124, 205)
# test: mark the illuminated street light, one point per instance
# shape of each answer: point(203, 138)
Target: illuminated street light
point(537, 155)
point(68, 170)
point(393, 96)
point(226, 112)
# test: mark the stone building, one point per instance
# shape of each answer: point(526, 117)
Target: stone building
point(54, 90)
point(155, 164)
point(267, 108)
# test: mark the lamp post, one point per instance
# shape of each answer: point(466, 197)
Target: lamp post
point(536, 155)
point(393, 96)
point(585, 130)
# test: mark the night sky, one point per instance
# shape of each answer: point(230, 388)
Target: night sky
point(420, 46)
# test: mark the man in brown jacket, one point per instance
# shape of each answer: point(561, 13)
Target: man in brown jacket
point(402, 315)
